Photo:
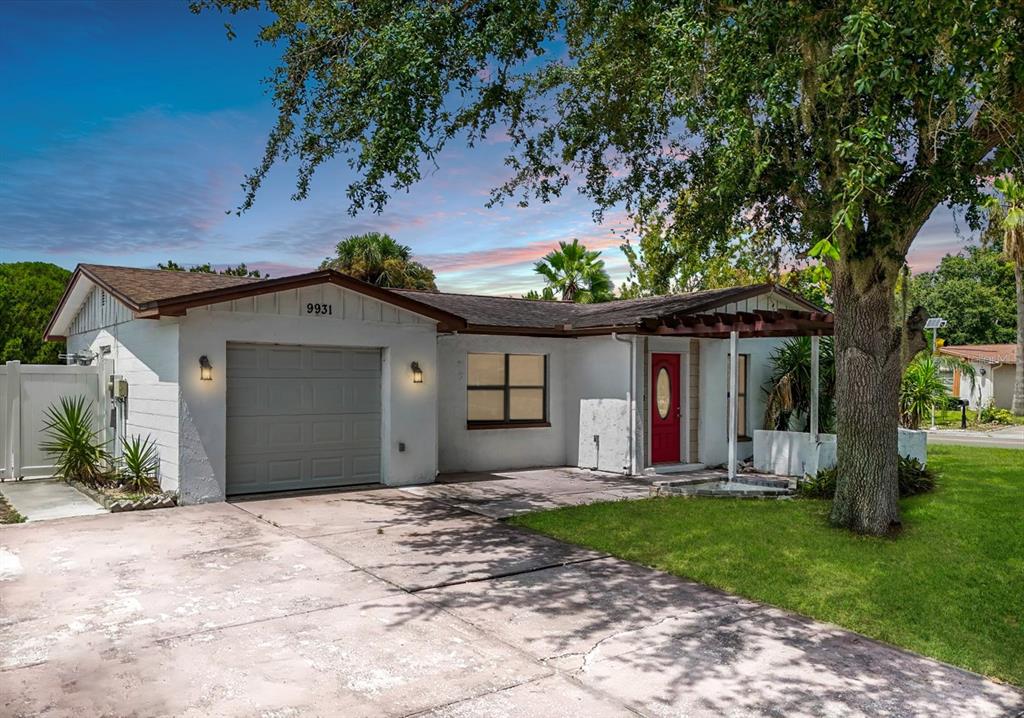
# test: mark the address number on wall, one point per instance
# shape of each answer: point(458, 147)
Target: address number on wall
point(321, 309)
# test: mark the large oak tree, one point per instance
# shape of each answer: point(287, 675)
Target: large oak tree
point(835, 127)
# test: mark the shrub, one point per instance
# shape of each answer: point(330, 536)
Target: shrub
point(952, 403)
point(992, 415)
point(914, 478)
point(78, 452)
point(820, 486)
point(139, 464)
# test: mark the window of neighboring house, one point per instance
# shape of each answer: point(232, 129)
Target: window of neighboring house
point(741, 397)
point(507, 390)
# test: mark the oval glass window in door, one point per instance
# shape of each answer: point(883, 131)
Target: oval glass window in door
point(663, 393)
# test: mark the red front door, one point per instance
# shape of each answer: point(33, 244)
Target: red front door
point(665, 409)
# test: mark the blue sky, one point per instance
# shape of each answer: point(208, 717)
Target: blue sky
point(128, 126)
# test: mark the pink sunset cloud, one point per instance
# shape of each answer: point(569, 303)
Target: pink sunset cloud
point(507, 255)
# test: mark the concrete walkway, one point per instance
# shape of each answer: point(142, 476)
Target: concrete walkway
point(392, 603)
point(44, 499)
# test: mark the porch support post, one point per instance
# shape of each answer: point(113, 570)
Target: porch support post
point(815, 354)
point(733, 382)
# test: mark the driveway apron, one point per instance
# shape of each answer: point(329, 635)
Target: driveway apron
point(393, 602)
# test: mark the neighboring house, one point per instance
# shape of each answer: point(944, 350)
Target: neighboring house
point(319, 380)
point(994, 366)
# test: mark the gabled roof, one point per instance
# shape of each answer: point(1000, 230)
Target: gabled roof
point(154, 293)
point(985, 353)
point(142, 287)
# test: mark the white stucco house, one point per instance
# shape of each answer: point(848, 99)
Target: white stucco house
point(320, 380)
point(994, 367)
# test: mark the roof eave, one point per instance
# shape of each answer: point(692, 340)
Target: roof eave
point(178, 306)
point(80, 271)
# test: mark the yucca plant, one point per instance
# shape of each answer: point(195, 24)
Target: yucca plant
point(73, 441)
point(139, 463)
point(922, 387)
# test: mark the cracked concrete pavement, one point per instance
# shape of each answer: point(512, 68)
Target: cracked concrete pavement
point(409, 602)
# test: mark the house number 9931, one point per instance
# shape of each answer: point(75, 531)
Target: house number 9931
point(321, 309)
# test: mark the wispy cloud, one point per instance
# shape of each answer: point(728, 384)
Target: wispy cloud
point(150, 180)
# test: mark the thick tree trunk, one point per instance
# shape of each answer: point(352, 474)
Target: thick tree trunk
point(1017, 406)
point(870, 356)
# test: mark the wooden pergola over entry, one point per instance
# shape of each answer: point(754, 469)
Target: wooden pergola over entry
point(760, 323)
point(755, 324)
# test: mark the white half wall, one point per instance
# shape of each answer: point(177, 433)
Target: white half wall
point(792, 453)
point(463, 449)
point(599, 399)
point(408, 410)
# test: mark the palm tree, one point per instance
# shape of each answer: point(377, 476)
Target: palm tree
point(379, 259)
point(576, 272)
point(1007, 221)
point(547, 294)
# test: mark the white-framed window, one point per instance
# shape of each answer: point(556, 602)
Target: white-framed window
point(506, 390)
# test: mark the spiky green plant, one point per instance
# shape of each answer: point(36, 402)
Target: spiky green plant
point(139, 463)
point(922, 387)
point(788, 401)
point(74, 442)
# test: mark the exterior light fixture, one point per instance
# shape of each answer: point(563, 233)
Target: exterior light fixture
point(205, 368)
point(417, 373)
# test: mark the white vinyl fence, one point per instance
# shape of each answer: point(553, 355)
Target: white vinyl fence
point(26, 390)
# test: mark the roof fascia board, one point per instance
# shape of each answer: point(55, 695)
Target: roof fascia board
point(176, 306)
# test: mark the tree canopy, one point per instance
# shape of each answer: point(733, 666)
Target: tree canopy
point(29, 293)
point(379, 259)
point(240, 270)
point(663, 264)
point(834, 129)
point(973, 290)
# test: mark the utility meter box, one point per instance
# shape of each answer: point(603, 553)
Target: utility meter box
point(118, 387)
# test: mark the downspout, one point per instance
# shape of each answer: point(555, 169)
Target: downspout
point(630, 398)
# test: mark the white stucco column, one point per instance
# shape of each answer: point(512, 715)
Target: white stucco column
point(814, 450)
point(815, 355)
point(733, 382)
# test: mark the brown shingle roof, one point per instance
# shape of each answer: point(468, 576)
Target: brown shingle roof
point(488, 311)
point(139, 287)
point(155, 292)
point(492, 311)
point(987, 353)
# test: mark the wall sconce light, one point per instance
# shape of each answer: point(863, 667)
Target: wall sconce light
point(417, 373)
point(205, 368)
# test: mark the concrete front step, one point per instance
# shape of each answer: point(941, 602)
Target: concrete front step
point(724, 489)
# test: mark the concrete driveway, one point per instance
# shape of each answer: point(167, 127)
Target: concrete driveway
point(400, 602)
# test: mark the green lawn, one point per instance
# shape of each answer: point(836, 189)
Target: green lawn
point(951, 586)
point(950, 419)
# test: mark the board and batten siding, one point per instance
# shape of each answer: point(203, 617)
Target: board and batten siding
point(99, 310)
point(145, 353)
point(768, 302)
point(343, 305)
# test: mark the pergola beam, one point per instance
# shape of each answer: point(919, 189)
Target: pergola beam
point(761, 323)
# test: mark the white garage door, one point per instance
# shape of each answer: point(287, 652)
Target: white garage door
point(301, 417)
